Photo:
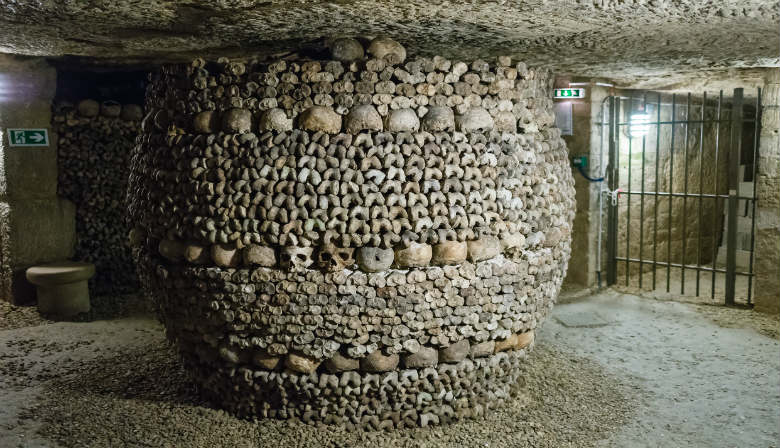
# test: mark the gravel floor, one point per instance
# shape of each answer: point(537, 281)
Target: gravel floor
point(102, 308)
point(117, 383)
point(609, 370)
point(14, 316)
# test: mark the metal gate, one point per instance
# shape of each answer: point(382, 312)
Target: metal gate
point(681, 197)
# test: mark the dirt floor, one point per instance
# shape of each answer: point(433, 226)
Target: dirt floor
point(609, 370)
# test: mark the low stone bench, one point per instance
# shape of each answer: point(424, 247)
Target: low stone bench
point(62, 286)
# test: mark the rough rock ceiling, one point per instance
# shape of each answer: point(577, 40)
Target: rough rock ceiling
point(634, 42)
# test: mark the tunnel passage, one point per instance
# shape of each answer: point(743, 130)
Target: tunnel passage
point(368, 241)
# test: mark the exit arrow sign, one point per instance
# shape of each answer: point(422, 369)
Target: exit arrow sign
point(28, 137)
point(568, 93)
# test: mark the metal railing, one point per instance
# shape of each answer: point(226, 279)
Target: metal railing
point(673, 138)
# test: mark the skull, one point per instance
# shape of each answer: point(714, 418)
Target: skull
point(331, 258)
point(346, 49)
point(320, 118)
point(402, 120)
point(383, 47)
point(295, 258)
point(363, 117)
point(439, 118)
point(506, 121)
point(275, 119)
point(475, 119)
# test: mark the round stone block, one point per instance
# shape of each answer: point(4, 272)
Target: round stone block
point(61, 287)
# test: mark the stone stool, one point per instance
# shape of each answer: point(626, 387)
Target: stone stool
point(62, 286)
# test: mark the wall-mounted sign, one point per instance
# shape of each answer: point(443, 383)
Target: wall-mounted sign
point(28, 137)
point(569, 93)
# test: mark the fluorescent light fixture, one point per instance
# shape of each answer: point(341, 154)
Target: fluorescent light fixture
point(638, 125)
point(602, 84)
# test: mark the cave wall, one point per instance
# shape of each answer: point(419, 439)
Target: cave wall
point(587, 140)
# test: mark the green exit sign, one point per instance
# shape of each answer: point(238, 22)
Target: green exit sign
point(569, 93)
point(28, 137)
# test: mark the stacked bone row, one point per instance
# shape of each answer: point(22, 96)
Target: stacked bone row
point(300, 219)
point(94, 142)
point(264, 195)
point(241, 176)
point(428, 345)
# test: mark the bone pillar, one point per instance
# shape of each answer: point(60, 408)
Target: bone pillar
point(406, 268)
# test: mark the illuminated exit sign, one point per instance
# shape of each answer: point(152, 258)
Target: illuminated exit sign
point(28, 137)
point(568, 93)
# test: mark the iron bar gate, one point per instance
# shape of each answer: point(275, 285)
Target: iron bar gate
point(681, 173)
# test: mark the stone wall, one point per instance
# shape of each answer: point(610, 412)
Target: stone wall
point(95, 141)
point(36, 226)
point(767, 264)
point(369, 240)
point(587, 140)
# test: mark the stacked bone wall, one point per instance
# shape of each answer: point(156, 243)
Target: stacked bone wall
point(370, 240)
point(94, 146)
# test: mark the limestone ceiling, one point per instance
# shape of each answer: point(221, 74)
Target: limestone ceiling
point(646, 43)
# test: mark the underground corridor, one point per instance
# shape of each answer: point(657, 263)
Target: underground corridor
point(390, 224)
